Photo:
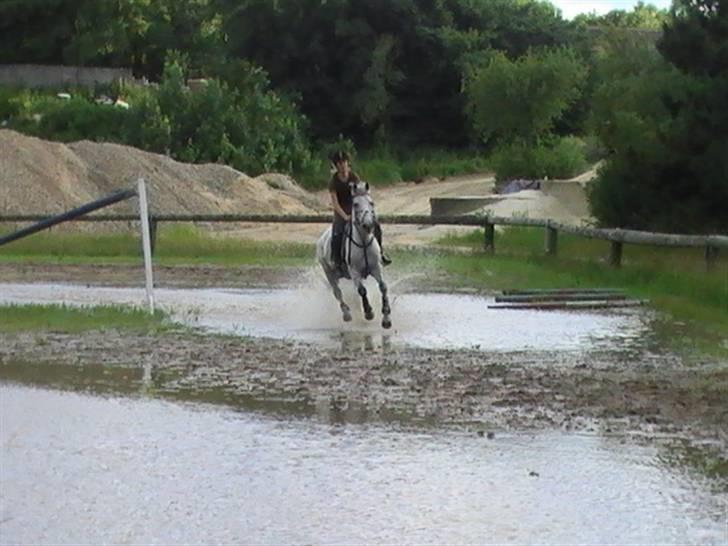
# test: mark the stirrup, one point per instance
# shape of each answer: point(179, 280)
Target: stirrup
point(386, 260)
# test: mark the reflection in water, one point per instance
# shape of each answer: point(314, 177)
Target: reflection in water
point(353, 341)
point(147, 376)
point(78, 469)
point(149, 380)
point(87, 377)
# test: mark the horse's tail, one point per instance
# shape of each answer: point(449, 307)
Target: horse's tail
point(323, 246)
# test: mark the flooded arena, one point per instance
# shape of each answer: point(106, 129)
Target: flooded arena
point(268, 420)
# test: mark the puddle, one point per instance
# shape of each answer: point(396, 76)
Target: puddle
point(420, 320)
point(86, 469)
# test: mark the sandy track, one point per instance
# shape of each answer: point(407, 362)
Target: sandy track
point(562, 201)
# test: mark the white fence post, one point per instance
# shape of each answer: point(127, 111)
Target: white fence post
point(146, 242)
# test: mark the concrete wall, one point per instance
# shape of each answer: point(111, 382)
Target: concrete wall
point(36, 76)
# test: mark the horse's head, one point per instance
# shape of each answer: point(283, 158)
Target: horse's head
point(362, 210)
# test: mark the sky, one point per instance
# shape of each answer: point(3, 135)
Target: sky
point(570, 8)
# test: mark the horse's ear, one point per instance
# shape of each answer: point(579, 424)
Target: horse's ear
point(366, 184)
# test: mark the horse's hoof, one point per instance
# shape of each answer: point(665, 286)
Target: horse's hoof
point(386, 323)
point(369, 315)
point(347, 317)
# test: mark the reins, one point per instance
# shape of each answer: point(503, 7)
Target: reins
point(364, 246)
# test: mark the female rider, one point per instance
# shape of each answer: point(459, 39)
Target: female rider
point(340, 192)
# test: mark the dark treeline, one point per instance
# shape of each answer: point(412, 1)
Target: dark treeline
point(508, 78)
point(369, 70)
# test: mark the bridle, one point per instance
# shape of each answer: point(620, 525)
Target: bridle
point(356, 221)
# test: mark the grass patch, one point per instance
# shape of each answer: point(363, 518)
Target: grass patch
point(66, 319)
point(176, 244)
point(706, 460)
point(63, 244)
point(192, 245)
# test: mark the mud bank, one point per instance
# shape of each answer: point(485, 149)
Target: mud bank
point(490, 392)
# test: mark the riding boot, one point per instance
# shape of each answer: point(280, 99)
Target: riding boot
point(336, 240)
point(378, 235)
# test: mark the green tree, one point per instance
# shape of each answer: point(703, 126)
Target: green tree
point(630, 75)
point(384, 69)
point(642, 16)
point(128, 33)
point(106, 33)
point(36, 30)
point(191, 26)
point(669, 171)
point(520, 100)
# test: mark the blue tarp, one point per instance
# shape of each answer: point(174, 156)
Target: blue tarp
point(517, 185)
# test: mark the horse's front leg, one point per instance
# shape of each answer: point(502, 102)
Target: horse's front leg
point(362, 290)
point(386, 309)
point(334, 282)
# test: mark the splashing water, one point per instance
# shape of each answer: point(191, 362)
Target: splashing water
point(308, 312)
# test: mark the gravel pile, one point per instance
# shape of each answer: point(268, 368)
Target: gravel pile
point(38, 176)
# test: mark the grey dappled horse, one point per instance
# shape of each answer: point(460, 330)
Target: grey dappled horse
point(363, 256)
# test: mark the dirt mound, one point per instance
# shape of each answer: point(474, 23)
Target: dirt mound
point(38, 176)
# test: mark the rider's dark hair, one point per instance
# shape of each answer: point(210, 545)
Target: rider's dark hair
point(340, 155)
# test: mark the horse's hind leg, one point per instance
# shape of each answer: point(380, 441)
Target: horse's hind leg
point(334, 282)
point(368, 311)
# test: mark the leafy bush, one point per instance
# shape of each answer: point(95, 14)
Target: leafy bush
point(558, 158)
point(11, 103)
point(442, 163)
point(382, 166)
point(145, 126)
point(78, 119)
point(383, 170)
point(250, 127)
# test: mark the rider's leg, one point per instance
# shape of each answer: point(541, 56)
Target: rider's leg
point(378, 234)
point(337, 238)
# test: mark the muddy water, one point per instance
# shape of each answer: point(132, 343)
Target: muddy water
point(421, 320)
point(80, 468)
point(89, 470)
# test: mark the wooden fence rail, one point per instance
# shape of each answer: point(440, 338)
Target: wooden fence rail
point(617, 237)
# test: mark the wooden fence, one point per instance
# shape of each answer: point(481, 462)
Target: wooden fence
point(617, 237)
